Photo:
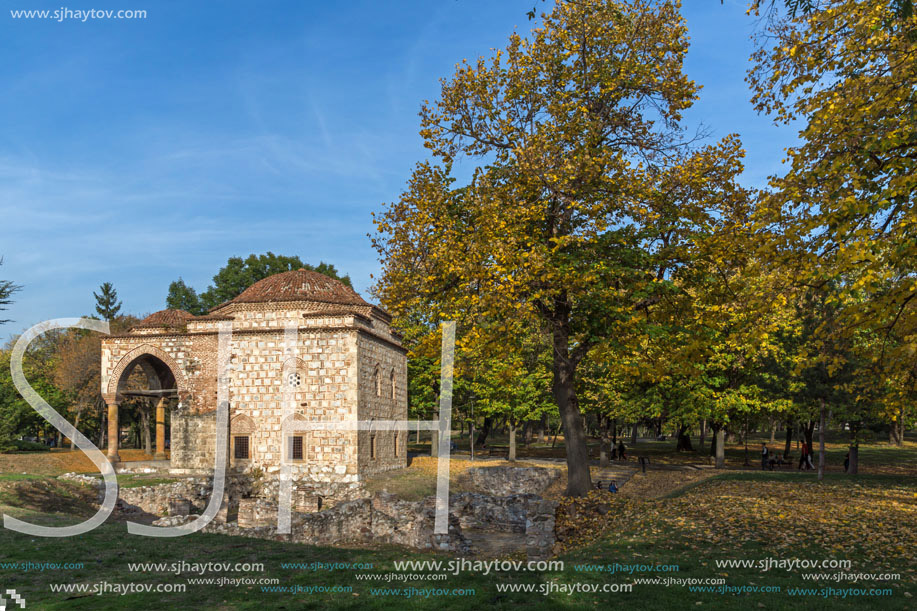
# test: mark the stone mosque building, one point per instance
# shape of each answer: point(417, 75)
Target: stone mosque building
point(349, 365)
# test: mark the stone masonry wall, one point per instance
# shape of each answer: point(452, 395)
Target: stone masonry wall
point(327, 378)
point(379, 361)
point(316, 381)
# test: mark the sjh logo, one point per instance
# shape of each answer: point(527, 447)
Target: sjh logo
point(15, 598)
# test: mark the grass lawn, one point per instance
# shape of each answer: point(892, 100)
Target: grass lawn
point(664, 525)
point(871, 520)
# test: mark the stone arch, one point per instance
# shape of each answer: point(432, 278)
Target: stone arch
point(294, 417)
point(377, 381)
point(128, 361)
point(241, 424)
point(241, 431)
point(292, 365)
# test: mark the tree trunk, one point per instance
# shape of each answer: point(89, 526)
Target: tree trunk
point(896, 432)
point(745, 440)
point(543, 429)
point(76, 422)
point(579, 481)
point(683, 443)
point(715, 428)
point(854, 464)
point(527, 431)
point(434, 438)
point(789, 440)
point(512, 441)
point(773, 429)
point(633, 437)
point(821, 439)
point(603, 444)
point(721, 448)
point(703, 434)
point(482, 436)
point(809, 432)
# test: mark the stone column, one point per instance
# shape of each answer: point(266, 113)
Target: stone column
point(160, 429)
point(113, 431)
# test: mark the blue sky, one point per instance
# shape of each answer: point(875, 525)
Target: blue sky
point(138, 151)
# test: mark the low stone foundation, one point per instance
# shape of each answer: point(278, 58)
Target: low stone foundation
point(507, 481)
point(386, 519)
point(189, 496)
point(350, 516)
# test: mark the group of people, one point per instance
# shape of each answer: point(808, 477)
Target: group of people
point(769, 461)
point(612, 487)
point(619, 452)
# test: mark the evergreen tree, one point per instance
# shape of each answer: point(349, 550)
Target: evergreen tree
point(107, 304)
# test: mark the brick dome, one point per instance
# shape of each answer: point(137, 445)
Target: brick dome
point(166, 318)
point(300, 285)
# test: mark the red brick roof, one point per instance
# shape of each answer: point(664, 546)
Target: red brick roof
point(166, 318)
point(300, 285)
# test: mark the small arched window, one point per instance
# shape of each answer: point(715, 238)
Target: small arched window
point(241, 428)
point(377, 382)
point(391, 382)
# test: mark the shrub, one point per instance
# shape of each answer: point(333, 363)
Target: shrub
point(17, 445)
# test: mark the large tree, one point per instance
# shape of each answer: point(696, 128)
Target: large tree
point(7, 289)
point(575, 133)
point(843, 213)
point(183, 297)
point(238, 274)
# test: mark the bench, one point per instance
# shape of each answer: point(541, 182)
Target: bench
point(504, 452)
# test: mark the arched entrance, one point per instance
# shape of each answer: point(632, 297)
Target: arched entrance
point(165, 383)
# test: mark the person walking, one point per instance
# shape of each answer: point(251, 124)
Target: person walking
point(804, 457)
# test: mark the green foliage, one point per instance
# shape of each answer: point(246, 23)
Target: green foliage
point(107, 304)
point(17, 417)
point(18, 445)
point(902, 9)
point(237, 275)
point(183, 297)
point(7, 289)
point(584, 197)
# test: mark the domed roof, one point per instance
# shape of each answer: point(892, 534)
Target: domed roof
point(300, 285)
point(166, 318)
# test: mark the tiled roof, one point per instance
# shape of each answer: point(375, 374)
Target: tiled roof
point(300, 285)
point(166, 318)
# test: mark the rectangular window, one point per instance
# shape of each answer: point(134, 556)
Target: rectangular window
point(372, 447)
point(240, 445)
point(296, 448)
